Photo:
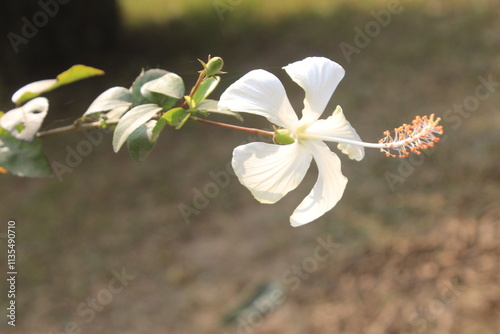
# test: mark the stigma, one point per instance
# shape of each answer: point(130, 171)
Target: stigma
point(421, 134)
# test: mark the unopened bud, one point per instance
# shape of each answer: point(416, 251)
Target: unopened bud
point(214, 66)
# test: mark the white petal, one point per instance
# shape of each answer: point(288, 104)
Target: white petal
point(328, 188)
point(338, 126)
point(261, 93)
point(319, 78)
point(270, 171)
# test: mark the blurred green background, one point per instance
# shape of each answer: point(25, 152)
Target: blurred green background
point(418, 239)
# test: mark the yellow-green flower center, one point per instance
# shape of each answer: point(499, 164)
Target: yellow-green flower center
point(283, 137)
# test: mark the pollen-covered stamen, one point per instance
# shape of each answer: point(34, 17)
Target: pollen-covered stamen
point(419, 135)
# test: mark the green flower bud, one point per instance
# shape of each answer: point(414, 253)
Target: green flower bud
point(283, 137)
point(214, 66)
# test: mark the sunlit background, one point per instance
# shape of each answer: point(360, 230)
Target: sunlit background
point(415, 241)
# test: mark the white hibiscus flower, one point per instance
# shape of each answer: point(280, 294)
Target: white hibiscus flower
point(270, 171)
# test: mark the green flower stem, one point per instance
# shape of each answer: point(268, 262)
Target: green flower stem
point(195, 87)
point(234, 127)
point(96, 125)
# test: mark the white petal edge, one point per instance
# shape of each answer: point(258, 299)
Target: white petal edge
point(319, 77)
point(270, 171)
point(261, 93)
point(338, 126)
point(328, 189)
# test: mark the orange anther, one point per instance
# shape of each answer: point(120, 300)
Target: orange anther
point(420, 135)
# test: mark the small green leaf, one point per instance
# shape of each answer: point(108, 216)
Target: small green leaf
point(141, 141)
point(176, 117)
point(160, 125)
point(33, 90)
point(143, 78)
point(22, 158)
point(205, 89)
point(76, 73)
point(208, 105)
point(183, 121)
point(131, 121)
point(3, 132)
point(37, 88)
point(190, 102)
point(166, 102)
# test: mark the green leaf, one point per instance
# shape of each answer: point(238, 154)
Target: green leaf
point(3, 132)
point(141, 141)
point(190, 102)
point(183, 121)
point(116, 97)
point(160, 125)
point(33, 90)
point(176, 117)
point(166, 102)
point(131, 121)
point(116, 113)
point(37, 88)
point(169, 84)
point(22, 158)
point(210, 106)
point(164, 91)
point(20, 127)
point(24, 122)
point(76, 73)
point(143, 78)
point(204, 90)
